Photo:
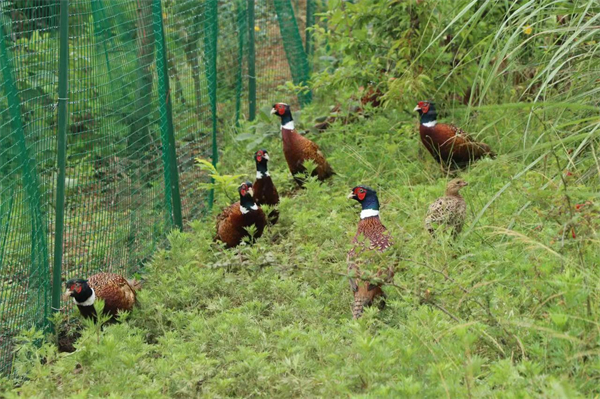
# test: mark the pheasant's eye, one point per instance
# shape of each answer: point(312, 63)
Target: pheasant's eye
point(78, 289)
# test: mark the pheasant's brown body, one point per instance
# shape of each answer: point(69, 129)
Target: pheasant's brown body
point(378, 239)
point(450, 144)
point(231, 224)
point(265, 193)
point(117, 292)
point(449, 210)
point(298, 149)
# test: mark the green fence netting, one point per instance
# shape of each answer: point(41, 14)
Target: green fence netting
point(150, 85)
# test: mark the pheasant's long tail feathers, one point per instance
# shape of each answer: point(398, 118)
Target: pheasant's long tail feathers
point(358, 306)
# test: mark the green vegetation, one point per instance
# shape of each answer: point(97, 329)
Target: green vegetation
point(509, 310)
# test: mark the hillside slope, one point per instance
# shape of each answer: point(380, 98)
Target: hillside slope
point(509, 310)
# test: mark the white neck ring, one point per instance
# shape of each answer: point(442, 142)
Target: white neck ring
point(368, 213)
point(87, 302)
point(245, 210)
point(288, 126)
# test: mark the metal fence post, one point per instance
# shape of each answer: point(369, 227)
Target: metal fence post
point(166, 119)
point(210, 51)
point(294, 49)
point(251, 63)
point(242, 21)
point(63, 102)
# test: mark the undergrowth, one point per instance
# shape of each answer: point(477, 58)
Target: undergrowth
point(509, 310)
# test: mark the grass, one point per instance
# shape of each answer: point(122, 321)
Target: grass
point(509, 310)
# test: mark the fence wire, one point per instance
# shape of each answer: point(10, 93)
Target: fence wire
point(151, 86)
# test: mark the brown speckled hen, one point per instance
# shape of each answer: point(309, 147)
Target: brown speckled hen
point(298, 148)
point(371, 236)
point(118, 293)
point(448, 144)
point(449, 210)
point(233, 221)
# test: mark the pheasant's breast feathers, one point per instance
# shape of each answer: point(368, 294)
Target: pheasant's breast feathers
point(265, 192)
point(378, 236)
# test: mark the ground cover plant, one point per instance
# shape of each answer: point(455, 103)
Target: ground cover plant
point(508, 310)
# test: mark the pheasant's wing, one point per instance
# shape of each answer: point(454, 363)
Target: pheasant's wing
point(460, 133)
point(114, 290)
point(437, 212)
point(223, 216)
point(311, 151)
point(464, 143)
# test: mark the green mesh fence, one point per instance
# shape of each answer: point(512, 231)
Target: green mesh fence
point(97, 152)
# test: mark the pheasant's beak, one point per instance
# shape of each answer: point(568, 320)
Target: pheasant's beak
point(465, 183)
point(266, 156)
point(417, 108)
point(67, 295)
point(251, 192)
point(351, 195)
point(273, 111)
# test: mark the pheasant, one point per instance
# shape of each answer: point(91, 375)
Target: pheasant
point(233, 221)
point(371, 228)
point(449, 210)
point(118, 293)
point(448, 143)
point(265, 192)
point(298, 149)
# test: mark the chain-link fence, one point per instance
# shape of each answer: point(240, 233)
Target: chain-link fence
point(104, 106)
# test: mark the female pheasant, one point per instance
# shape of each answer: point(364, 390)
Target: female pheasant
point(233, 221)
point(118, 293)
point(265, 192)
point(298, 148)
point(448, 144)
point(449, 210)
point(378, 239)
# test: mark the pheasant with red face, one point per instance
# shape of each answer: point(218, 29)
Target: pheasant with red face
point(448, 144)
point(371, 236)
point(265, 192)
point(118, 293)
point(298, 148)
point(233, 221)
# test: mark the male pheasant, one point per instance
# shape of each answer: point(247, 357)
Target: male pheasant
point(233, 221)
point(449, 210)
point(448, 144)
point(378, 239)
point(298, 148)
point(118, 293)
point(265, 192)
